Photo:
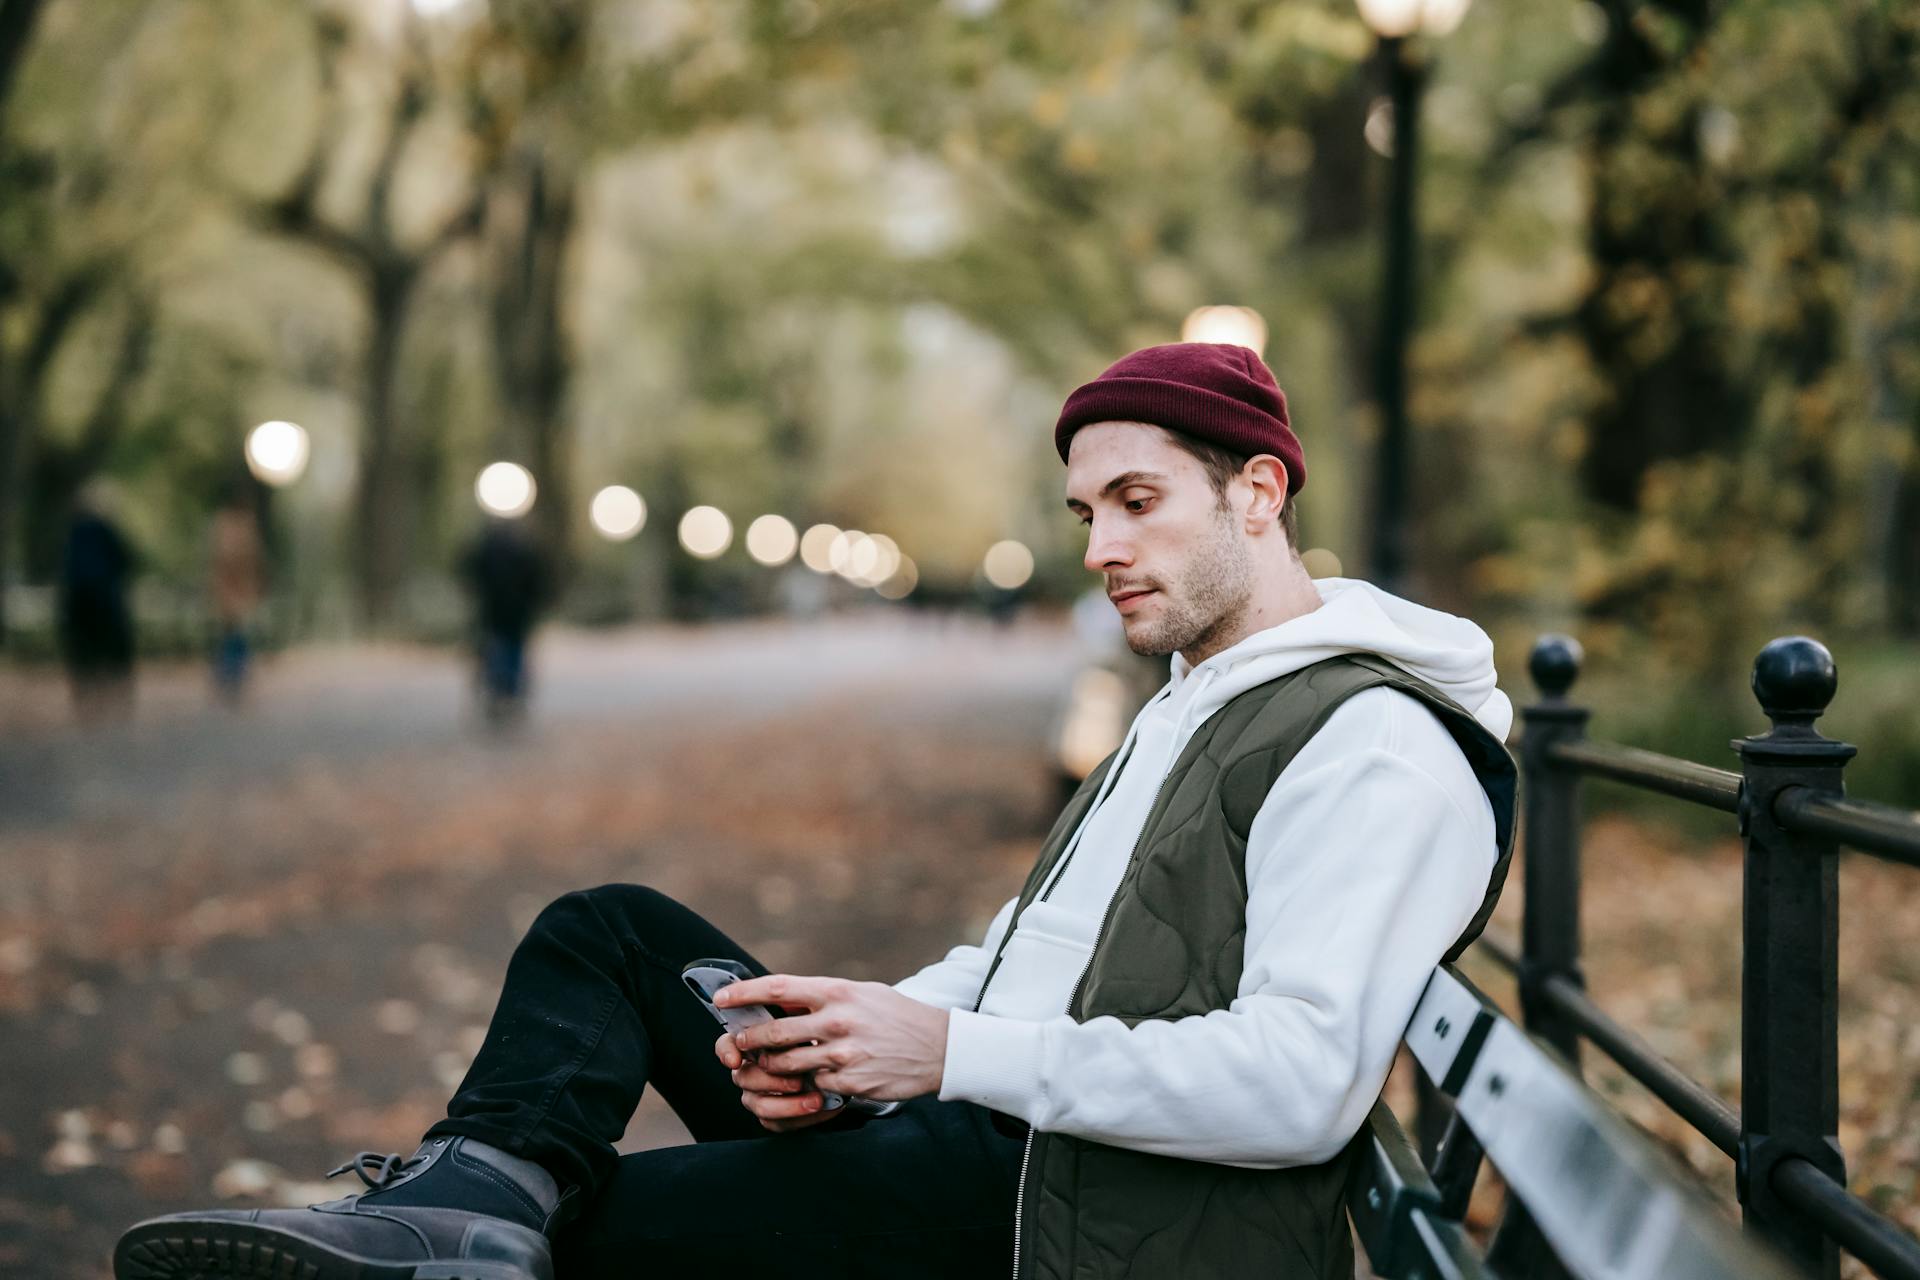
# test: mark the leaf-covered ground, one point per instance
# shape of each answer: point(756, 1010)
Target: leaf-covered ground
point(226, 964)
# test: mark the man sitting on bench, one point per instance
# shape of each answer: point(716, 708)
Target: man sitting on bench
point(1153, 1062)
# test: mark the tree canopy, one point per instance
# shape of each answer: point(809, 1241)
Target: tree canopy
point(843, 261)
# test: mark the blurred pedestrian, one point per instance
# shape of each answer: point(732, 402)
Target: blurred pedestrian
point(96, 625)
point(508, 577)
point(236, 582)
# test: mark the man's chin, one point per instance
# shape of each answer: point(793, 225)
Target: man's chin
point(1148, 643)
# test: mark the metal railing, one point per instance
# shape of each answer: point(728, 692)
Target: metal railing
point(1790, 801)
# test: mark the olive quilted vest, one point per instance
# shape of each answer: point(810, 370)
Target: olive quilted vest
point(1170, 947)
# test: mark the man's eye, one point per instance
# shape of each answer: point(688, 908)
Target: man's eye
point(1137, 505)
point(1086, 519)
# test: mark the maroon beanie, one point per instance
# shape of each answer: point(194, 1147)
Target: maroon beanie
point(1218, 392)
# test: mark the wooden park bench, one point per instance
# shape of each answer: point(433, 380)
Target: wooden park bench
point(1588, 1195)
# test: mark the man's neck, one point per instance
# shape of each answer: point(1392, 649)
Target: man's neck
point(1286, 594)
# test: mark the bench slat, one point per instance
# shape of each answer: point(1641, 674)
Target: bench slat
point(1604, 1197)
point(1448, 1027)
point(1388, 1184)
point(1397, 1214)
point(1446, 1252)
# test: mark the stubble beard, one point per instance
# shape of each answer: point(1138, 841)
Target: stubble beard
point(1207, 598)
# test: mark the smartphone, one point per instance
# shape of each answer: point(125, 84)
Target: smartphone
point(705, 978)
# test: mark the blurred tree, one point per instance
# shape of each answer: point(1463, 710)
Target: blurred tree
point(388, 266)
point(49, 280)
point(839, 261)
point(535, 119)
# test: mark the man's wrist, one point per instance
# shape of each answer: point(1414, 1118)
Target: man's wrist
point(994, 1062)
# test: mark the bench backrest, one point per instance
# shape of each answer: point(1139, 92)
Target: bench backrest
point(1604, 1199)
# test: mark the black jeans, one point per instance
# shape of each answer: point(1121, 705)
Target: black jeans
point(593, 1011)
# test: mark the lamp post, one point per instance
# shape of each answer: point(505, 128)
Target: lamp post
point(1395, 22)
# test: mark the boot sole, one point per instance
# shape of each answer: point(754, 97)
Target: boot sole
point(245, 1251)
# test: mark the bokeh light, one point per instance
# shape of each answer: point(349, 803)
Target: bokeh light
point(618, 513)
point(1378, 130)
point(1008, 565)
point(885, 560)
point(1095, 722)
point(706, 532)
point(771, 540)
point(901, 582)
point(1404, 17)
point(840, 550)
point(816, 546)
point(1241, 326)
point(505, 489)
point(1320, 563)
point(277, 452)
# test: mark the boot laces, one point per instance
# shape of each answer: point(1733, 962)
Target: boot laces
point(386, 1168)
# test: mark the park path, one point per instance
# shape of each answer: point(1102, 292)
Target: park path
point(237, 947)
point(234, 949)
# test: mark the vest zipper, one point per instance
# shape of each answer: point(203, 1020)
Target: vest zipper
point(1020, 1201)
point(1020, 1189)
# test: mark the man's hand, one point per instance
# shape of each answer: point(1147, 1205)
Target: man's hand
point(780, 1103)
point(862, 1038)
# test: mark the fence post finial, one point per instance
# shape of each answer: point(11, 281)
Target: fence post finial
point(1789, 1017)
point(1554, 664)
point(1794, 679)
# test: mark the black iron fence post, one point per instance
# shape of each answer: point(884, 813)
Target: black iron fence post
point(1550, 923)
point(1789, 1093)
point(1550, 906)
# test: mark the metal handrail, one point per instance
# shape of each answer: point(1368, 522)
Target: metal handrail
point(1852, 1223)
point(1669, 775)
point(1879, 829)
point(1699, 1106)
point(1710, 1114)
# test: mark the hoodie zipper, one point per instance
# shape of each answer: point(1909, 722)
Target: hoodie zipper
point(1020, 1189)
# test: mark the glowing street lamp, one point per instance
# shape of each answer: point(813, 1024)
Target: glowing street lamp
point(771, 540)
point(277, 453)
point(1396, 18)
point(816, 547)
point(705, 532)
point(1240, 326)
point(505, 489)
point(840, 551)
point(1008, 565)
point(618, 513)
point(1394, 21)
point(878, 562)
point(899, 584)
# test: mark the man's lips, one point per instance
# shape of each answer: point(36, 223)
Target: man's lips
point(1124, 600)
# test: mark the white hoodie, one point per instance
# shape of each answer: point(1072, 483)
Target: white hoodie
point(1368, 857)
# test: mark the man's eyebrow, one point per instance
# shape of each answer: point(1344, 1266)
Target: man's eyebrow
point(1121, 481)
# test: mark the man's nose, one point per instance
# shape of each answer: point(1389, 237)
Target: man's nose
point(1106, 549)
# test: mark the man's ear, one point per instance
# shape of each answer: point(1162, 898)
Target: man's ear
point(1266, 475)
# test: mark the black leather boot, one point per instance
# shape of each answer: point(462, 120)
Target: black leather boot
point(456, 1209)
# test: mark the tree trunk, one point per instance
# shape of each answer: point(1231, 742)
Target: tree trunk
point(20, 386)
point(383, 497)
point(16, 33)
point(534, 228)
point(1680, 399)
point(1903, 553)
point(56, 473)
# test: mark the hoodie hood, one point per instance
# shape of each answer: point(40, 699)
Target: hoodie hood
point(1448, 652)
